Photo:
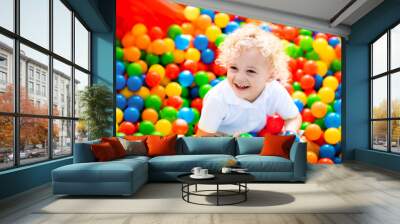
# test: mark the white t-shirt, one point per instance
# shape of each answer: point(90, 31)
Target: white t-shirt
point(225, 112)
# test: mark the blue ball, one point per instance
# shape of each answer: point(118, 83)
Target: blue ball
point(208, 12)
point(232, 26)
point(200, 42)
point(332, 120)
point(136, 102)
point(318, 81)
point(134, 83)
point(337, 105)
point(182, 41)
point(120, 82)
point(121, 101)
point(299, 104)
point(329, 72)
point(131, 114)
point(120, 68)
point(207, 56)
point(215, 82)
point(185, 78)
point(186, 114)
point(194, 92)
point(327, 151)
point(265, 27)
point(338, 148)
point(337, 160)
point(333, 41)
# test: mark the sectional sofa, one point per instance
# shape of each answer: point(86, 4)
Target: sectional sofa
point(125, 176)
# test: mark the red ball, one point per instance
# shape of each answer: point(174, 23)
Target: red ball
point(128, 128)
point(175, 102)
point(325, 161)
point(310, 91)
point(152, 79)
point(156, 33)
point(201, 66)
point(172, 71)
point(218, 70)
point(274, 124)
point(297, 75)
point(310, 67)
point(307, 115)
point(189, 65)
point(321, 140)
point(180, 127)
point(338, 76)
point(307, 82)
point(292, 65)
point(197, 103)
point(289, 33)
point(297, 40)
point(338, 51)
point(300, 62)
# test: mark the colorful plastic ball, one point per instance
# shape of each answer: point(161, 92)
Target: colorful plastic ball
point(304, 125)
point(320, 123)
point(120, 68)
point(327, 151)
point(196, 116)
point(312, 55)
point(159, 91)
point(331, 82)
point(212, 32)
point(173, 31)
point(214, 82)
point(152, 79)
point(293, 50)
point(191, 13)
point(131, 114)
point(126, 92)
point(119, 53)
point(136, 102)
point(307, 82)
point(146, 127)
point(169, 113)
point(153, 101)
point(167, 58)
point(127, 128)
point(332, 120)
point(306, 43)
point(310, 67)
point(134, 83)
point(174, 101)
point(192, 54)
point(299, 104)
point(156, 33)
point(207, 56)
point(131, 54)
point(318, 109)
point(182, 41)
point(313, 132)
point(173, 89)
point(326, 94)
point(163, 126)
point(139, 29)
point(119, 115)
point(204, 90)
point(143, 92)
point(326, 161)
point(201, 78)
point(197, 103)
point(194, 92)
point(186, 114)
point(202, 22)
point(172, 71)
point(289, 33)
point(337, 160)
point(208, 12)
point(121, 101)
point(150, 114)
point(318, 81)
point(220, 39)
point(134, 69)
point(190, 65)
point(274, 124)
point(232, 26)
point(300, 96)
point(143, 41)
point(128, 40)
point(320, 45)
point(333, 41)
point(200, 42)
point(180, 127)
point(312, 157)
point(185, 78)
point(337, 106)
point(120, 82)
point(312, 98)
point(221, 20)
point(332, 135)
point(296, 86)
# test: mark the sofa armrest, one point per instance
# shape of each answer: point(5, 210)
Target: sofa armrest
point(298, 155)
point(83, 152)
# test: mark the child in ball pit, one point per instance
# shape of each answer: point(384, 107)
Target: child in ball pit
point(256, 69)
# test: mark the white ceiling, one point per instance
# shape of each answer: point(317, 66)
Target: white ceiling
point(320, 15)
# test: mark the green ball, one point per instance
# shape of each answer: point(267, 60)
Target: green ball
point(306, 43)
point(293, 51)
point(153, 101)
point(169, 113)
point(120, 134)
point(190, 131)
point(167, 58)
point(173, 31)
point(305, 32)
point(201, 78)
point(117, 42)
point(185, 92)
point(304, 125)
point(143, 55)
point(320, 122)
point(196, 116)
point(296, 86)
point(246, 135)
point(157, 133)
point(204, 90)
point(220, 39)
point(138, 134)
point(119, 53)
point(146, 127)
point(134, 69)
point(312, 98)
point(221, 77)
point(336, 65)
point(185, 102)
point(329, 109)
point(152, 59)
point(312, 55)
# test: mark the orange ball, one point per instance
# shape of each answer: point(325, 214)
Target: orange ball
point(180, 127)
point(128, 40)
point(203, 21)
point(313, 147)
point(143, 65)
point(131, 54)
point(139, 29)
point(319, 109)
point(313, 132)
point(187, 28)
point(159, 91)
point(150, 114)
point(143, 41)
point(312, 157)
point(158, 47)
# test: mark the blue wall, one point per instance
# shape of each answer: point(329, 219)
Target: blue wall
point(356, 134)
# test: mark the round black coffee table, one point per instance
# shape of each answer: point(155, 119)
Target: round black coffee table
point(238, 179)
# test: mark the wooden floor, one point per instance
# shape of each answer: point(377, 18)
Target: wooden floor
point(378, 189)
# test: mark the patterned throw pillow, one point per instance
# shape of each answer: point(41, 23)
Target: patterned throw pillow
point(134, 147)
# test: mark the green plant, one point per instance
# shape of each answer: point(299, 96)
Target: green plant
point(96, 104)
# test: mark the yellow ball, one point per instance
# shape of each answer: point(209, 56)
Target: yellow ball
point(326, 94)
point(169, 45)
point(330, 82)
point(322, 68)
point(173, 89)
point(319, 45)
point(212, 32)
point(192, 54)
point(332, 135)
point(126, 92)
point(327, 54)
point(221, 20)
point(163, 126)
point(139, 29)
point(300, 96)
point(191, 13)
point(143, 92)
point(179, 56)
point(159, 69)
point(119, 115)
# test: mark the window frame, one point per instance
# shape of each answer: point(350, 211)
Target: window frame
point(16, 115)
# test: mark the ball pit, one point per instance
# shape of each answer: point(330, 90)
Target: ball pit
point(165, 68)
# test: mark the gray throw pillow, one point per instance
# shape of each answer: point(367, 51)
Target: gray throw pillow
point(137, 148)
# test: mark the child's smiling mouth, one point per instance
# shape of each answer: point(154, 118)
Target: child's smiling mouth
point(241, 86)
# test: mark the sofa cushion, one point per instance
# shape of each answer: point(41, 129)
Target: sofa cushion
point(185, 163)
point(161, 145)
point(103, 152)
point(207, 145)
point(257, 163)
point(249, 145)
point(116, 145)
point(83, 152)
point(277, 145)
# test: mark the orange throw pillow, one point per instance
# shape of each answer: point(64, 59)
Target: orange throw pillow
point(116, 145)
point(160, 146)
point(277, 145)
point(103, 152)
point(136, 138)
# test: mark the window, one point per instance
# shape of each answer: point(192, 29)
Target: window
point(46, 75)
point(385, 96)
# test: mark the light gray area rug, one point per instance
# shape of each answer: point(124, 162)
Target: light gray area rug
point(166, 198)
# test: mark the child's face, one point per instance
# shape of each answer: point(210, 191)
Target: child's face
point(248, 73)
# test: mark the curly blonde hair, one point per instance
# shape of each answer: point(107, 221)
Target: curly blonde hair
point(249, 36)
